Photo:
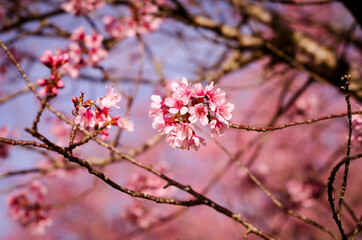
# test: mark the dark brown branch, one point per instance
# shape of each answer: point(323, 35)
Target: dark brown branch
point(330, 189)
point(279, 127)
point(30, 18)
point(22, 143)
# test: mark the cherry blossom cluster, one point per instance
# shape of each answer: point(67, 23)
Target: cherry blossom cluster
point(28, 207)
point(303, 195)
point(141, 216)
point(175, 116)
point(81, 7)
point(80, 46)
point(57, 167)
point(151, 184)
point(143, 20)
point(357, 129)
point(53, 83)
point(90, 119)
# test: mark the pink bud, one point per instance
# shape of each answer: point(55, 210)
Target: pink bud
point(66, 58)
point(41, 82)
point(60, 84)
point(74, 99)
point(47, 58)
point(44, 91)
point(116, 117)
point(54, 90)
point(53, 77)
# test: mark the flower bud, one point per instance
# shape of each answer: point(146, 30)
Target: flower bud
point(60, 84)
point(54, 90)
point(47, 58)
point(41, 82)
point(75, 99)
point(53, 77)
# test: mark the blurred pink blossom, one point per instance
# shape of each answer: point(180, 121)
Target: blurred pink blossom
point(80, 7)
point(28, 207)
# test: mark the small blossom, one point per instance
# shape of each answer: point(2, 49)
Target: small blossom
point(223, 111)
point(110, 100)
point(199, 111)
point(214, 95)
point(125, 123)
point(217, 127)
point(78, 34)
point(80, 7)
point(53, 61)
point(85, 118)
point(145, 22)
point(177, 103)
point(198, 91)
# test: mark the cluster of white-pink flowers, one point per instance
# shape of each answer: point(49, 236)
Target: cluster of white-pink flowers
point(28, 206)
point(176, 115)
point(53, 83)
point(81, 7)
point(143, 20)
point(90, 119)
point(80, 46)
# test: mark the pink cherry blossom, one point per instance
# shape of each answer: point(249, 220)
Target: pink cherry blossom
point(110, 100)
point(199, 111)
point(84, 50)
point(157, 102)
point(198, 91)
point(141, 216)
point(100, 118)
point(304, 194)
point(78, 34)
point(53, 61)
point(183, 88)
point(125, 123)
point(217, 127)
point(85, 118)
point(215, 95)
point(143, 20)
point(28, 207)
point(223, 111)
point(176, 115)
point(150, 184)
point(177, 103)
point(80, 7)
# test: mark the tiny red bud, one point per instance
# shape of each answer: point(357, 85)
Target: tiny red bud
point(75, 99)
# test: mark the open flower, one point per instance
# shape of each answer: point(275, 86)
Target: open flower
point(177, 103)
point(110, 99)
point(85, 118)
point(199, 111)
